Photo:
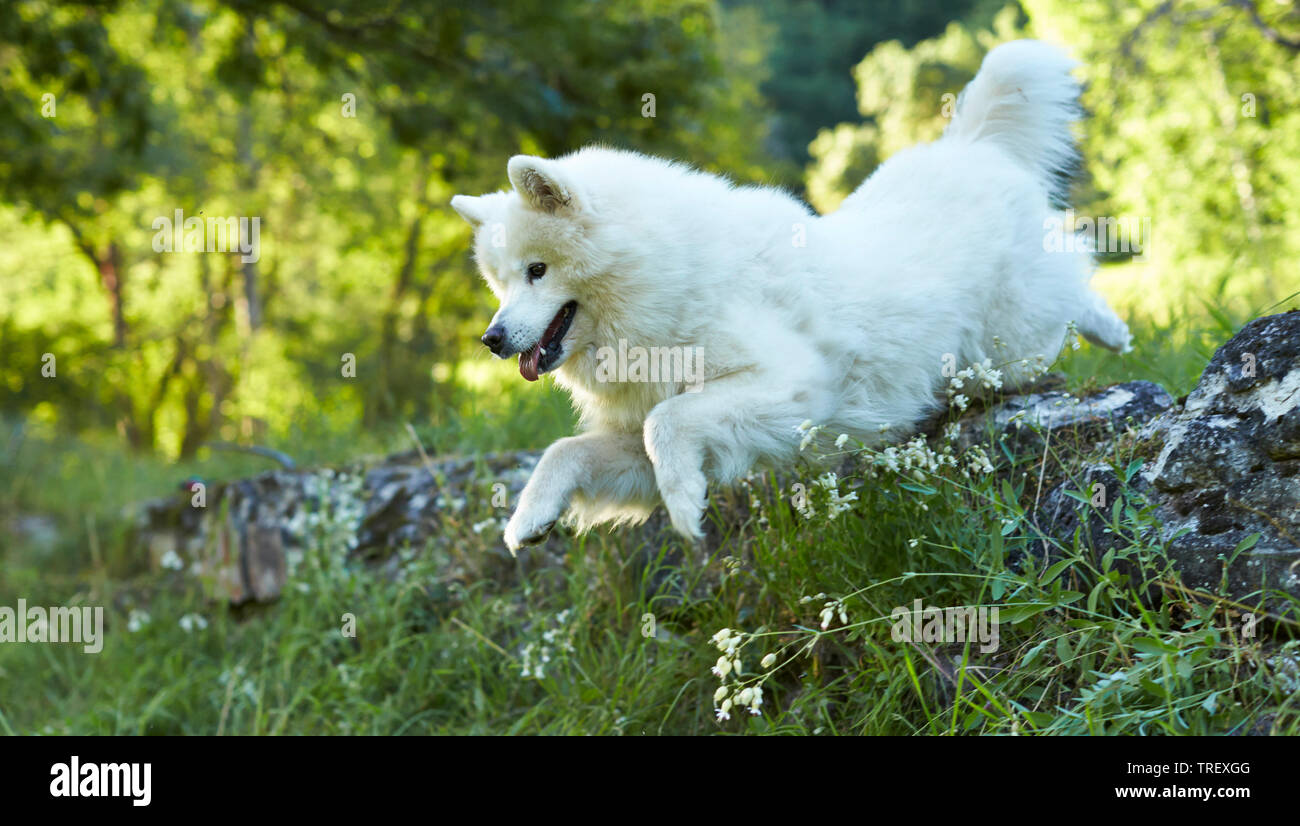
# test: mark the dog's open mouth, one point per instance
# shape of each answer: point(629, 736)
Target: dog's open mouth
point(543, 355)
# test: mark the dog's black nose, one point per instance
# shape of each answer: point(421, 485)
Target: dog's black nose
point(495, 338)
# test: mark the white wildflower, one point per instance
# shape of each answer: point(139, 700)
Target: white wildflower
point(137, 620)
point(829, 612)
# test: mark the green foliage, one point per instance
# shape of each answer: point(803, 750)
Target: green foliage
point(1191, 126)
point(814, 44)
point(906, 96)
point(239, 108)
point(1194, 124)
point(1085, 645)
point(345, 133)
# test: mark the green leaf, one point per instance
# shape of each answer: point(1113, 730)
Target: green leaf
point(1063, 652)
point(1067, 597)
point(1244, 545)
point(917, 488)
point(1154, 689)
point(1053, 572)
point(1008, 493)
point(1133, 467)
point(1151, 645)
point(1020, 613)
point(1033, 653)
point(1095, 595)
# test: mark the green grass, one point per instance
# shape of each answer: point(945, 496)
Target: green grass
point(1081, 649)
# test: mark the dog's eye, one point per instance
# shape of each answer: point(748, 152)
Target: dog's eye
point(536, 271)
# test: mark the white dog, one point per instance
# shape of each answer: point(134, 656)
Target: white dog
point(844, 319)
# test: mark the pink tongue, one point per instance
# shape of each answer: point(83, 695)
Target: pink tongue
point(528, 362)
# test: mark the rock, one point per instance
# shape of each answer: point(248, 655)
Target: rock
point(1064, 419)
point(1229, 467)
point(247, 538)
point(1227, 470)
point(1221, 468)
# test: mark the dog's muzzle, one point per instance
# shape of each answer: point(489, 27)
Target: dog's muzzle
point(495, 339)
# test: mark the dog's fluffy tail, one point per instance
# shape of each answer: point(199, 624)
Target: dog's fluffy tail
point(1023, 99)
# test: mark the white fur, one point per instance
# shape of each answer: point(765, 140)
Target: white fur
point(938, 252)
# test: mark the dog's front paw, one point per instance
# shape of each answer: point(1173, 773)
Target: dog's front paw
point(527, 527)
point(686, 509)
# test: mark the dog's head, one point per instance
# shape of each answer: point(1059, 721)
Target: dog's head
point(530, 245)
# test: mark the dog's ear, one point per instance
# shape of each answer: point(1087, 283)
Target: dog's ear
point(541, 183)
point(471, 208)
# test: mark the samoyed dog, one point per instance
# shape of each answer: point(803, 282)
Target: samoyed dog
point(763, 314)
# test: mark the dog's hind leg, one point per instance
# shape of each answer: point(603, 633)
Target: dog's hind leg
point(605, 475)
point(1101, 326)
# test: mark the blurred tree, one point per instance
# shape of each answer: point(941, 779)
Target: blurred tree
point(1195, 124)
point(814, 44)
point(68, 167)
point(345, 132)
point(1192, 126)
point(905, 96)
